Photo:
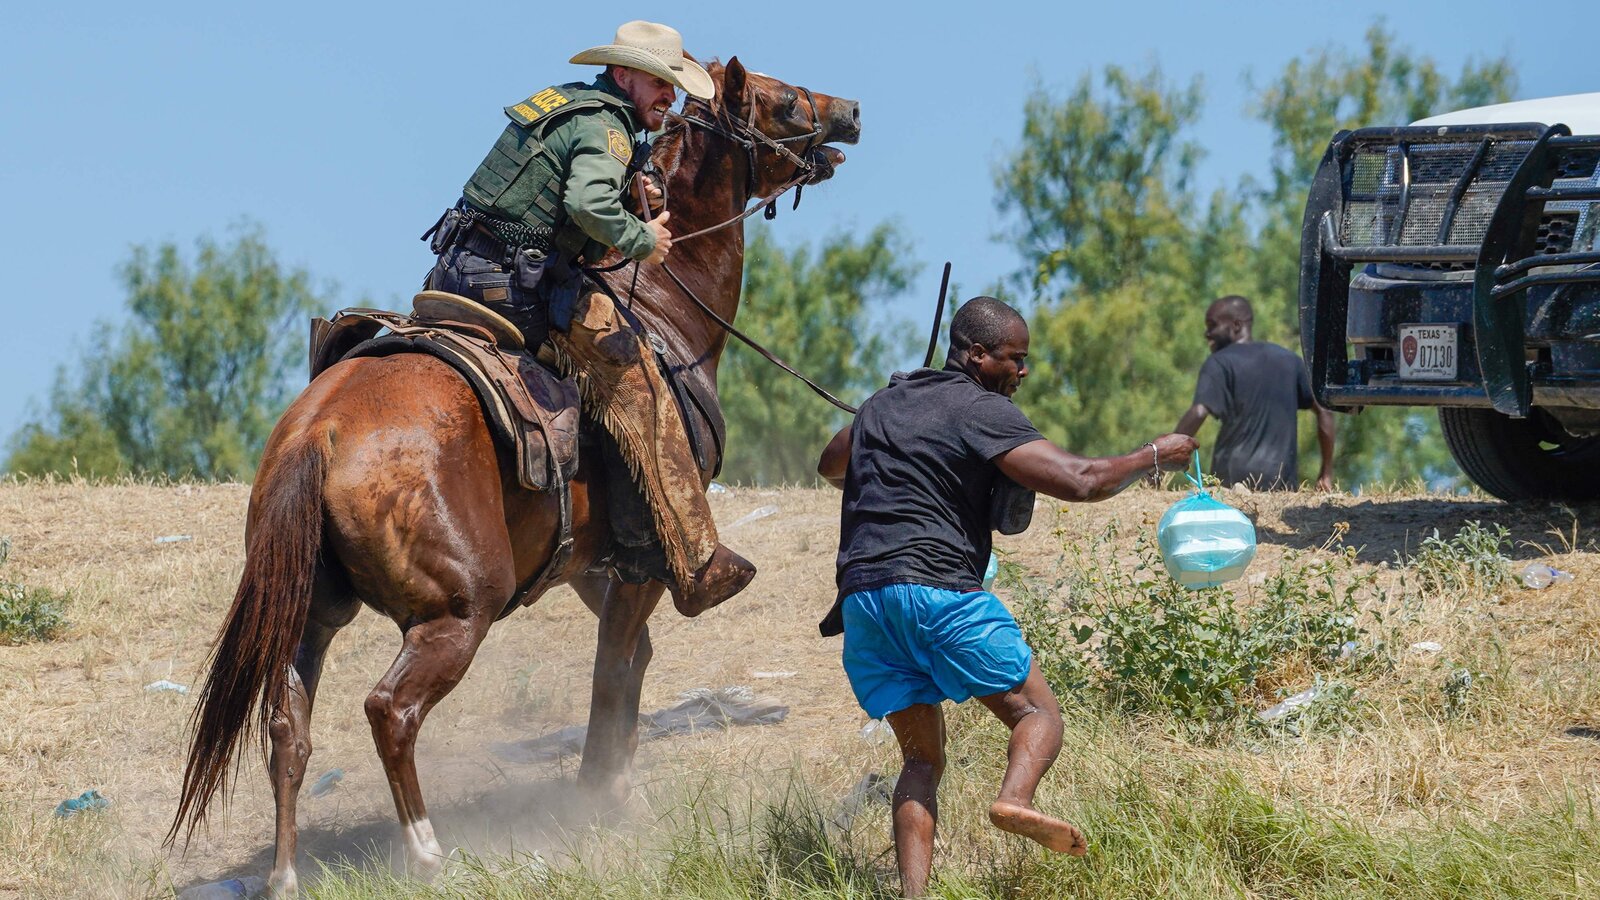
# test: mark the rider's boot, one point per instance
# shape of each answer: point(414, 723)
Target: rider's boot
point(625, 390)
point(726, 573)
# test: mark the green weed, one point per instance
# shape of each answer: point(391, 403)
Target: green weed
point(1470, 563)
point(1133, 636)
point(28, 614)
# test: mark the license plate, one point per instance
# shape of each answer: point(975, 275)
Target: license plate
point(1427, 352)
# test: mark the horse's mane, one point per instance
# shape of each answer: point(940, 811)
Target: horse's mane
point(668, 148)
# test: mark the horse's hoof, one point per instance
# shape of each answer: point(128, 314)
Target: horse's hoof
point(608, 792)
point(424, 857)
point(283, 885)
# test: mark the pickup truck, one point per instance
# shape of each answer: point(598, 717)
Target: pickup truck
point(1455, 263)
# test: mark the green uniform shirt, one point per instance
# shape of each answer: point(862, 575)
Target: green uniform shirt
point(581, 154)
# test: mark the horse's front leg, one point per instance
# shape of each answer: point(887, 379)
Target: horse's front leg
point(621, 656)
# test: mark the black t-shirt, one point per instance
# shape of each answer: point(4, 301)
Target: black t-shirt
point(1255, 388)
point(916, 494)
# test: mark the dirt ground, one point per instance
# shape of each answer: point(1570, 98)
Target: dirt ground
point(74, 712)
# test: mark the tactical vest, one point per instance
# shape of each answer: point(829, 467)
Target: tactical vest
point(522, 180)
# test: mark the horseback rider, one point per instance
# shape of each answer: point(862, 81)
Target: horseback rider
point(548, 200)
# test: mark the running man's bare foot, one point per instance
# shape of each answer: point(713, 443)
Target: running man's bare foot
point(1053, 833)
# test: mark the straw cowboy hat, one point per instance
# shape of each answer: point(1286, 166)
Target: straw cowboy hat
point(652, 48)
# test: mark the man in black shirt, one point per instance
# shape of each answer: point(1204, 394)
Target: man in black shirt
point(918, 468)
point(1255, 388)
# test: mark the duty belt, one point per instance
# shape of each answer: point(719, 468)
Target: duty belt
point(497, 239)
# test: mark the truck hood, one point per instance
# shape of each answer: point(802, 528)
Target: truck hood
point(1579, 112)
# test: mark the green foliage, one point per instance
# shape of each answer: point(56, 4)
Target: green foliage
point(1313, 98)
point(28, 614)
point(1169, 828)
point(1468, 564)
point(190, 385)
point(1121, 258)
point(816, 310)
point(1135, 637)
point(1099, 189)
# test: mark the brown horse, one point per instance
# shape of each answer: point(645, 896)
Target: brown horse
point(382, 485)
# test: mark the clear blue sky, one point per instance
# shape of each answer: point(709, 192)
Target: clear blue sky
point(343, 129)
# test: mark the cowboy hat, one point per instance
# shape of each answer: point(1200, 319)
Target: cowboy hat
point(655, 49)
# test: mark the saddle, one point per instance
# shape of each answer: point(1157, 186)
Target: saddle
point(532, 412)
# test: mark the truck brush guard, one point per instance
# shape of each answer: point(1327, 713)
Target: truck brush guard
point(1500, 200)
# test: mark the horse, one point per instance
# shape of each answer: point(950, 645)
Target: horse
point(382, 485)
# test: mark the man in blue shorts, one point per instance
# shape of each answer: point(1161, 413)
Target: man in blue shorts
point(919, 467)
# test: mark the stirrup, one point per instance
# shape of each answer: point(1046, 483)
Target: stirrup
point(456, 308)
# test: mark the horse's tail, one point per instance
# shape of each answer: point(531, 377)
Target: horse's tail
point(259, 638)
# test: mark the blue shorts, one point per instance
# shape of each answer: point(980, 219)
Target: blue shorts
point(906, 644)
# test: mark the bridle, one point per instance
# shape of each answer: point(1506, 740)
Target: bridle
point(811, 166)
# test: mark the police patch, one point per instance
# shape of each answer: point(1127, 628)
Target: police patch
point(537, 105)
point(617, 145)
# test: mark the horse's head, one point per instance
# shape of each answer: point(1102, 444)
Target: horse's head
point(786, 128)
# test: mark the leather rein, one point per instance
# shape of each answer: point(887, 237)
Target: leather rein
point(811, 166)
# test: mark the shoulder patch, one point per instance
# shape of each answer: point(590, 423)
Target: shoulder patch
point(618, 145)
point(529, 110)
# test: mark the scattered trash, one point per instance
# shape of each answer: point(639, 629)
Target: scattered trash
point(990, 573)
point(166, 687)
point(870, 790)
point(702, 709)
point(1426, 647)
point(1348, 649)
point(1584, 731)
point(248, 886)
point(758, 513)
point(877, 732)
point(717, 487)
point(1290, 704)
point(174, 538)
point(774, 674)
point(1538, 575)
point(329, 780)
point(88, 801)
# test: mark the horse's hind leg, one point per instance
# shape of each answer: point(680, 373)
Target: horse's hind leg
point(621, 656)
point(433, 658)
point(290, 728)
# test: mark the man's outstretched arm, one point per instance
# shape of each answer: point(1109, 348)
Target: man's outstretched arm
point(1189, 423)
point(835, 459)
point(1044, 467)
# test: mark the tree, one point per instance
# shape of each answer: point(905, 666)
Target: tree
point(1120, 256)
point(1121, 259)
point(815, 310)
point(191, 384)
point(1315, 97)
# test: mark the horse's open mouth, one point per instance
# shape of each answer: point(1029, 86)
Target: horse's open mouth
point(823, 159)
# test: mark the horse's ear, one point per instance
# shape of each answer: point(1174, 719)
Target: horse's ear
point(733, 87)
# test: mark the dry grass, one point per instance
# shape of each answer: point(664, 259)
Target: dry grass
point(77, 716)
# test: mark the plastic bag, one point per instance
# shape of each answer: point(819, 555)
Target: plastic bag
point(1205, 542)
